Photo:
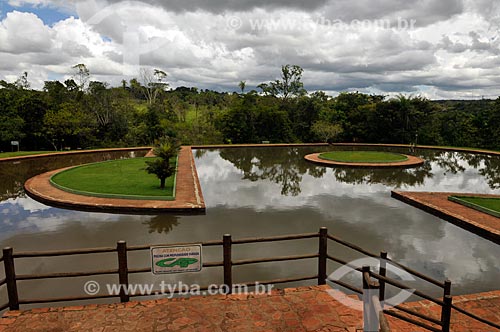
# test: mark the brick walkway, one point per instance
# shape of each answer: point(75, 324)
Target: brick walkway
point(188, 195)
point(299, 309)
point(437, 203)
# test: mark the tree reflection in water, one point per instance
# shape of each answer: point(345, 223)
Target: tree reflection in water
point(162, 223)
point(286, 167)
point(279, 165)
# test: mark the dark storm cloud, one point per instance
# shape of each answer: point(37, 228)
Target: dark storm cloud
point(221, 6)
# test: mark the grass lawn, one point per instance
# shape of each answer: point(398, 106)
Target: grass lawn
point(23, 153)
point(118, 177)
point(488, 203)
point(363, 157)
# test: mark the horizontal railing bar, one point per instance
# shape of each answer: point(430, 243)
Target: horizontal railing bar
point(141, 270)
point(3, 282)
point(412, 321)
point(417, 274)
point(4, 306)
point(471, 315)
point(147, 247)
point(340, 261)
point(278, 281)
point(273, 259)
point(407, 269)
point(352, 246)
point(213, 264)
point(419, 315)
point(148, 269)
point(346, 285)
point(28, 254)
point(205, 288)
point(276, 238)
point(64, 275)
point(66, 299)
point(403, 286)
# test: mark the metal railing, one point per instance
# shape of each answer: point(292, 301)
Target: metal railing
point(123, 271)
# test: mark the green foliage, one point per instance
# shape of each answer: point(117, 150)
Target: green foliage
point(161, 166)
point(84, 113)
point(289, 86)
point(326, 131)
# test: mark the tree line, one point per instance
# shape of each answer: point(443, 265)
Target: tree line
point(81, 113)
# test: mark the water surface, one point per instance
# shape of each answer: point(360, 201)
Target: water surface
point(264, 192)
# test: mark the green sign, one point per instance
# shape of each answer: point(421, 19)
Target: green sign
point(176, 259)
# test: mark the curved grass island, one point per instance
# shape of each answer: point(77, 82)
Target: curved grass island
point(121, 186)
point(124, 178)
point(367, 159)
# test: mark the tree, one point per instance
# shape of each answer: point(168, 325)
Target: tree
point(165, 151)
point(22, 82)
point(289, 85)
point(242, 86)
point(66, 123)
point(326, 131)
point(153, 84)
point(82, 76)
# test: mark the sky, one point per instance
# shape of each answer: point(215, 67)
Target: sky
point(439, 49)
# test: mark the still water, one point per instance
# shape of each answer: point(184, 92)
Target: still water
point(265, 192)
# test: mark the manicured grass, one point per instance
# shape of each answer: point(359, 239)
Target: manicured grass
point(492, 204)
point(125, 177)
point(363, 157)
point(23, 153)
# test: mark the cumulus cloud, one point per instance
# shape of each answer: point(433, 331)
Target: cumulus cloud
point(443, 48)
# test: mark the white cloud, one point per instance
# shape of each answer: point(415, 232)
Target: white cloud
point(452, 52)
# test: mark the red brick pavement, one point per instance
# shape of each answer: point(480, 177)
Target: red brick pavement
point(188, 195)
point(437, 203)
point(298, 309)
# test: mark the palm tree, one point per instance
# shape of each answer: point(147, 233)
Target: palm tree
point(242, 86)
point(165, 151)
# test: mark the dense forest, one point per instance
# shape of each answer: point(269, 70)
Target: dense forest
point(80, 113)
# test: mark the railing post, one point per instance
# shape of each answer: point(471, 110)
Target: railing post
point(383, 272)
point(446, 313)
point(121, 248)
point(228, 273)
point(323, 253)
point(10, 277)
point(447, 288)
point(366, 301)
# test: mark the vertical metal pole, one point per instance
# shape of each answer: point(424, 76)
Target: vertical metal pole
point(370, 315)
point(383, 272)
point(446, 313)
point(447, 288)
point(228, 274)
point(323, 253)
point(366, 300)
point(121, 248)
point(10, 277)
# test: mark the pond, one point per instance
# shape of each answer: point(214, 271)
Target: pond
point(270, 191)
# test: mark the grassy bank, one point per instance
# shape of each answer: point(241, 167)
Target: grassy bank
point(363, 157)
point(125, 177)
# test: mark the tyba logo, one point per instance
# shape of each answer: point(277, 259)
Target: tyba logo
point(181, 262)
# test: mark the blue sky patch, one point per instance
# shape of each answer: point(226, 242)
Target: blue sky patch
point(49, 15)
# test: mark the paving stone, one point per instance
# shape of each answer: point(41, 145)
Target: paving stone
point(294, 310)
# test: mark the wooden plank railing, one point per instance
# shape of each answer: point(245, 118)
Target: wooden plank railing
point(323, 257)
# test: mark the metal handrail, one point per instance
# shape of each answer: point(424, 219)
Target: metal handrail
point(370, 254)
point(123, 271)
